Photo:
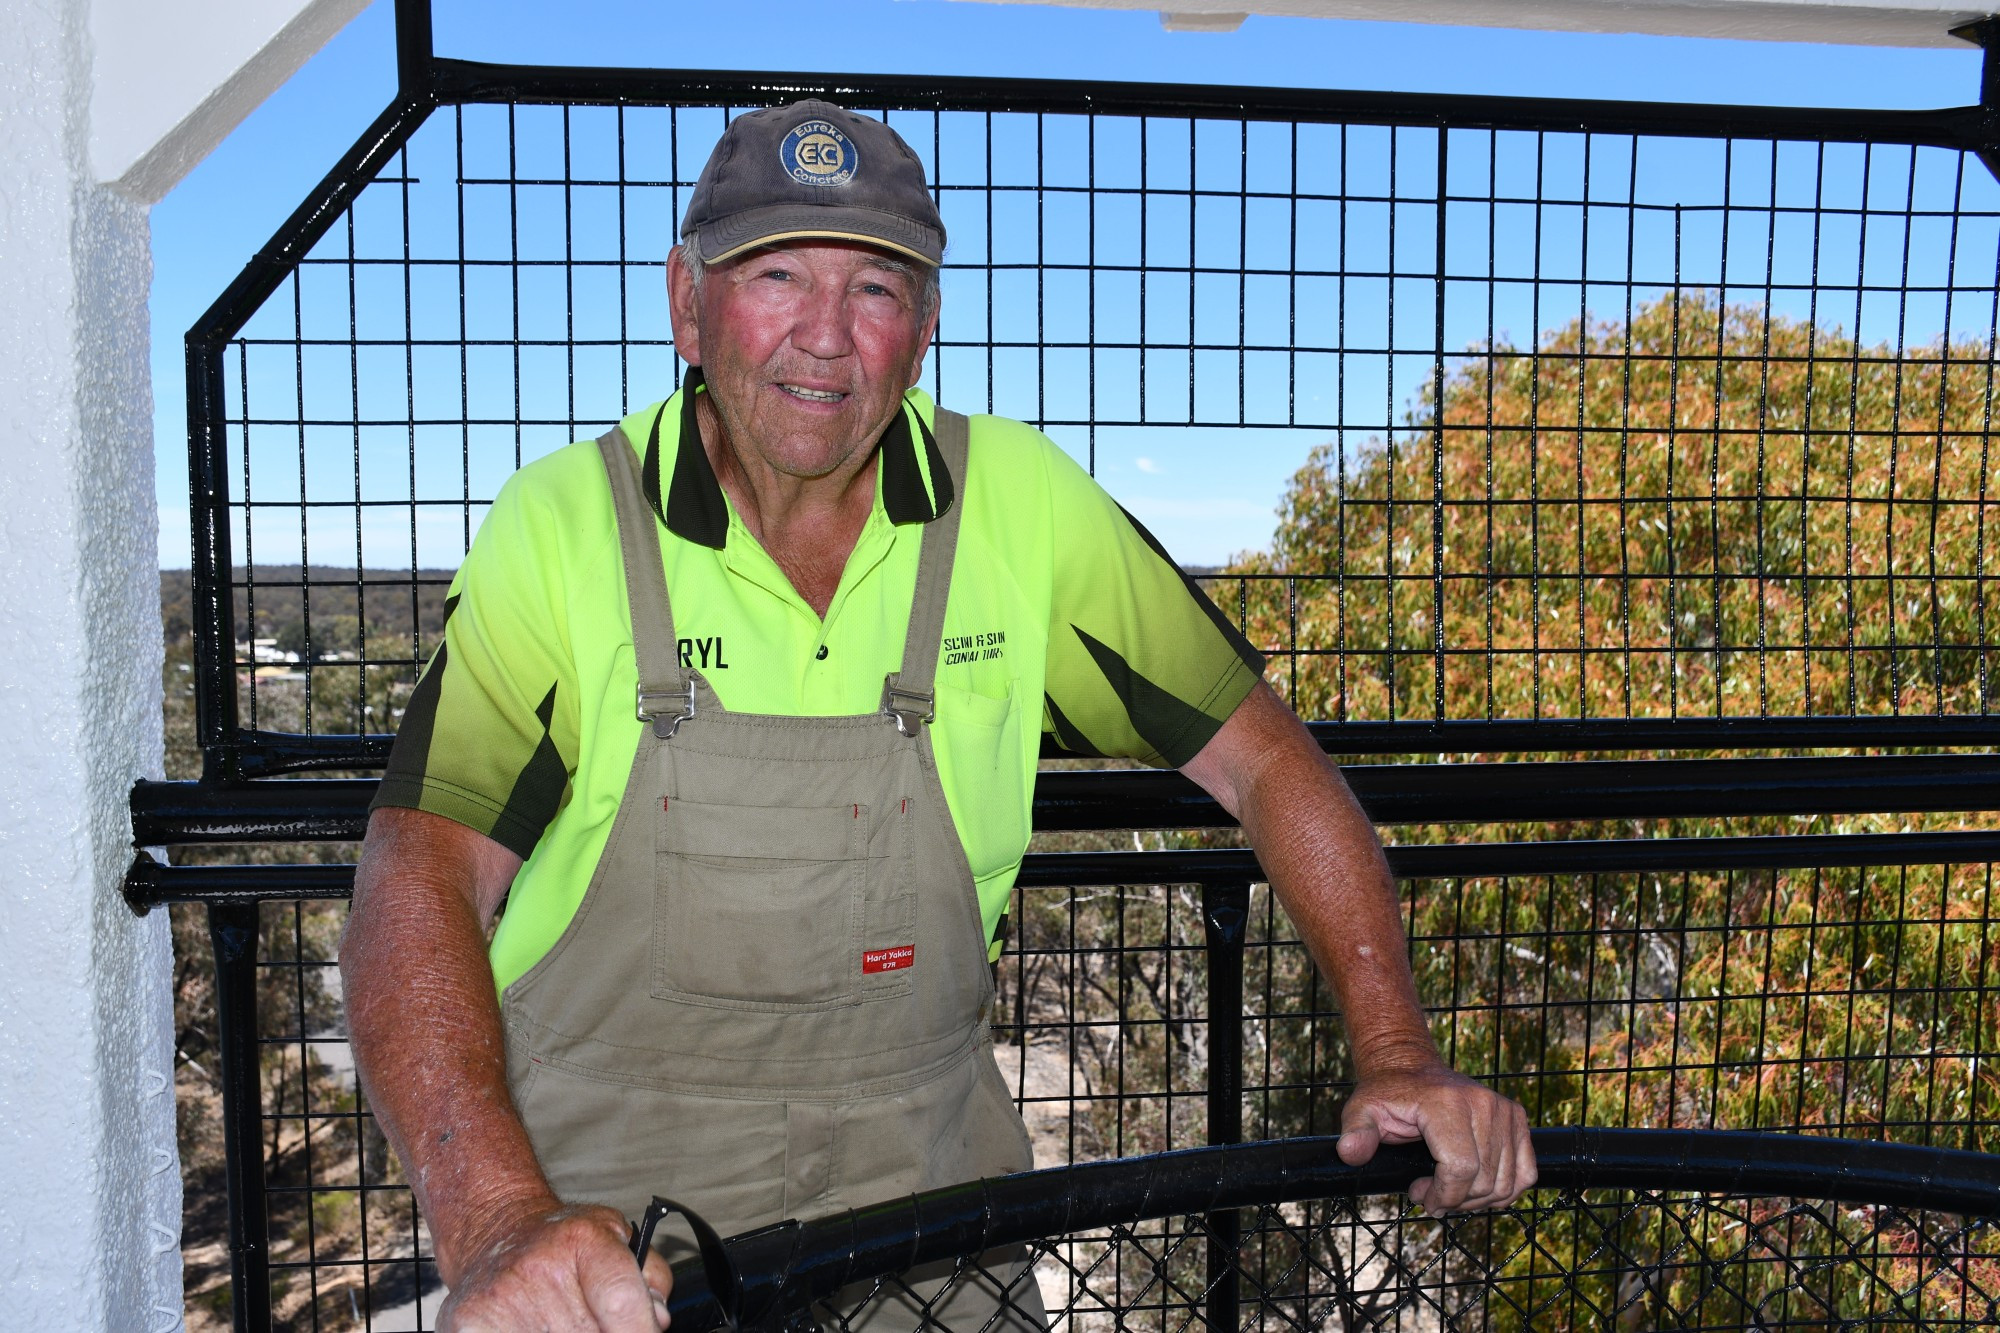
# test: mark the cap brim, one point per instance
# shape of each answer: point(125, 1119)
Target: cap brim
point(817, 235)
point(727, 237)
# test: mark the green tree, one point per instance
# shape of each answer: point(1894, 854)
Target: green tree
point(1709, 511)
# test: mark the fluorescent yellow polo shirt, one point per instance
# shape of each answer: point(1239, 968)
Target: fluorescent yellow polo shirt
point(1064, 617)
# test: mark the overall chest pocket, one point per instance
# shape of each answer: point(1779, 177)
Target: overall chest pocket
point(760, 908)
point(984, 765)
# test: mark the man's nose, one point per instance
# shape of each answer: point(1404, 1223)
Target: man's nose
point(822, 327)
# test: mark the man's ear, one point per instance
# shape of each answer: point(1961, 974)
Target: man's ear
point(683, 307)
point(923, 350)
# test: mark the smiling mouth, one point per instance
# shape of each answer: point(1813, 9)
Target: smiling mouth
point(813, 395)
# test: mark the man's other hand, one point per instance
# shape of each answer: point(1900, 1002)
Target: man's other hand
point(1478, 1138)
point(561, 1269)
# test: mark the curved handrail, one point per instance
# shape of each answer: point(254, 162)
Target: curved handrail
point(789, 1265)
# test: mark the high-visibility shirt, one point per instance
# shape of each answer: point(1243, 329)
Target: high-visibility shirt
point(1065, 617)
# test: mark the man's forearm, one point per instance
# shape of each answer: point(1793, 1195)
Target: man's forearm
point(1333, 882)
point(1326, 866)
point(426, 1031)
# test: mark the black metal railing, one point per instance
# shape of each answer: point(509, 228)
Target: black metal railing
point(1841, 1234)
point(1652, 989)
point(1604, 431)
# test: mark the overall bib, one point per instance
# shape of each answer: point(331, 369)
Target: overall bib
point(772, 1001)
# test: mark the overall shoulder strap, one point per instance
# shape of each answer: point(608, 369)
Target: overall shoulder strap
point(908, 695)
point(666, 693)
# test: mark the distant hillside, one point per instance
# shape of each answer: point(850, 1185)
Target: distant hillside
point(395, 601)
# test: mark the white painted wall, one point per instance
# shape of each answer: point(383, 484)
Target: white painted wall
point(130, 92)
point(89, 1235)
point(171, 78)
point(1866, 22)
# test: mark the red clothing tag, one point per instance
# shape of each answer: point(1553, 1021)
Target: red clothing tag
point(888, 960)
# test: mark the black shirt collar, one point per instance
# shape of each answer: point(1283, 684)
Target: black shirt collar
point(694, 509)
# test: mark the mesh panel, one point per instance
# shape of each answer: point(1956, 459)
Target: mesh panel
point(1594, 1259)
point(1854, 1003)
point(1592, 425)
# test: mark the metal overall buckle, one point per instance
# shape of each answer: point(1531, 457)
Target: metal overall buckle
point(664, 722)
point(910, 708)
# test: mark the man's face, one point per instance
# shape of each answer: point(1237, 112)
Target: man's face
point(806, 347)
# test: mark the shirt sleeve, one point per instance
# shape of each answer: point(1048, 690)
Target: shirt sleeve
point(490, 735)
point(1141, 664)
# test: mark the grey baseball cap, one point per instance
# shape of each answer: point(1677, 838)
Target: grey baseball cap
point(812, 170)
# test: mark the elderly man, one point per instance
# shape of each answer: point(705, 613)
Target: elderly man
point(736, 717)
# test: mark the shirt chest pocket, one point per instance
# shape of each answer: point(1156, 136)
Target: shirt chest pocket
point(986, 777)
point(770, 909)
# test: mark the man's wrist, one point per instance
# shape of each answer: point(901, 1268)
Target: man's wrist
point(1404, 1056)
point(479, 1223)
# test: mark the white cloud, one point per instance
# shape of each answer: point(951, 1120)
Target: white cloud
point(1147, 466)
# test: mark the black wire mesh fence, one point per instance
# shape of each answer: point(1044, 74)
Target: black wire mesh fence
point(1858, 1002)
point(1166, 1242)
point(1570, 1260)
point(1681, 415)
point(1838, 1004)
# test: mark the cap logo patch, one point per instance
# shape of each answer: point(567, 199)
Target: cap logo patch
point(815, 153)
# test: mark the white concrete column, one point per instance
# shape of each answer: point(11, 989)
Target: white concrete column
point(90, 1212)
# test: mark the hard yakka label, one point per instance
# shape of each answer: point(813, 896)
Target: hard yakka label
point(888, 960)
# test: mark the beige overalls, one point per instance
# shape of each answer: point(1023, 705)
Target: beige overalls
point(772, 1002)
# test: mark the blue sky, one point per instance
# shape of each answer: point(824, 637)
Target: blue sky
point(207, 228)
